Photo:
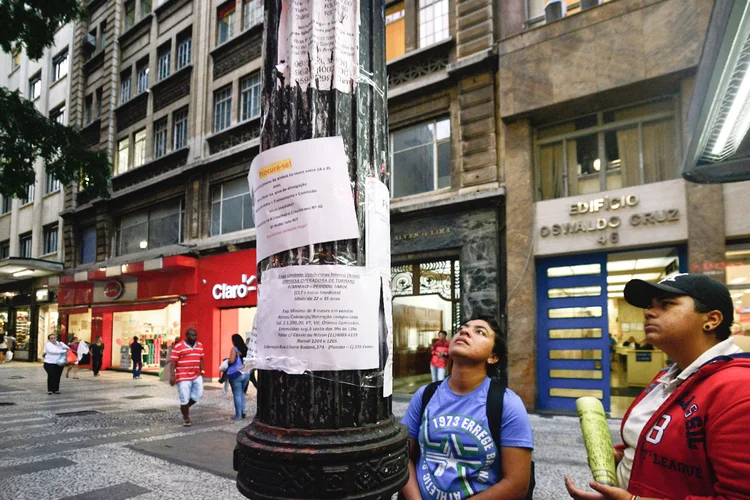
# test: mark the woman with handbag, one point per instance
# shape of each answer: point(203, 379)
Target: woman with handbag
point(54, 361)
point(238, 380)
point(72, 358)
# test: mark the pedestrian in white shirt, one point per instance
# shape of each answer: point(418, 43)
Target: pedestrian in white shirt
point(54, 361)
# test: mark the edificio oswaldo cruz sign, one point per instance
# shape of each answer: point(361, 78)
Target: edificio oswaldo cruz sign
point(643, 215)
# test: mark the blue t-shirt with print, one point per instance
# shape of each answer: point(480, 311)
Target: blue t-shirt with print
point(458, 457)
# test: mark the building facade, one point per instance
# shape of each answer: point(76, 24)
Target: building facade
point(593, 108)
point(30, 228)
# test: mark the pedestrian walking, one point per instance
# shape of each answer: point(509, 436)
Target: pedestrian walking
point(3, 348)
point(439, 360)
point(685, 435)
point(97, 355)
point(72, 358)
point(186, 372)
point(11, 342)
point(54, 361)
point(238, 380)
point(136, 354)
point(469, 434)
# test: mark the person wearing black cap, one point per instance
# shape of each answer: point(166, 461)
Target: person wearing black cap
point(685, 436)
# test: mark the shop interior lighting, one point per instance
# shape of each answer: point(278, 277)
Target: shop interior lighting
point(597, 164)
point(25, 272)
point(736, 122)
point(737, 281)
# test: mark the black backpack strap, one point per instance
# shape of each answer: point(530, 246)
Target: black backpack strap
point(429, 391)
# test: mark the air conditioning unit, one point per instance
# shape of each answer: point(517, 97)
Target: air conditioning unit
point(89, 41)
point(590, 4)
point(555, 10)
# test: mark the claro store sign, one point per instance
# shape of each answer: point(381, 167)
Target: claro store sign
point(653, 214)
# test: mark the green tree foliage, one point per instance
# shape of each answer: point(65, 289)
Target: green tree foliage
point(27, 136)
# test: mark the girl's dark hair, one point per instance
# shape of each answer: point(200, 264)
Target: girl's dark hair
point(500, 369)
point(240, 345)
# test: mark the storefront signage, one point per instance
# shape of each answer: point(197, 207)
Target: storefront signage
point(422, 234)
point(619, 219)
point(224, 291)
point(114, 289)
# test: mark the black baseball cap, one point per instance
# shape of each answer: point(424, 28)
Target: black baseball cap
point(714, 294)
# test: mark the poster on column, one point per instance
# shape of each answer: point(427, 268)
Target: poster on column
point(378, 257)
point(313, 318)
point(301, 196)
point(319, 44)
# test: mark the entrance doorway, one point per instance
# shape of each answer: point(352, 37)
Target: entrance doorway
point(426, 300)
point(237, 320)
point(591, 342)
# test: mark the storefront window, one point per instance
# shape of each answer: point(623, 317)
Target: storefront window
point(23, 323)
point(156, 330)
point(608, 150)
point(48, 319)
point(738, 282)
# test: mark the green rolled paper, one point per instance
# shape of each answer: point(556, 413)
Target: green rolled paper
point(598, 440)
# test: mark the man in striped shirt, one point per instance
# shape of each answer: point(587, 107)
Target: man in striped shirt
point(186, 371)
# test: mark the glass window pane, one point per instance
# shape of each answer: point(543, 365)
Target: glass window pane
point(215, 219)
point(575, 312)
point(231, 216)
point(131, 238)
point(642, 110)
point(623, 162)
point(164, 231)
point(659, 151)
point(247, 205)
point(414, 136)
point(444, 164)
point(235, 188)
point(583, 165)
point(443, 129)
point(551, 171)
point(579, 270)
point(413, 171)
point(581, 291)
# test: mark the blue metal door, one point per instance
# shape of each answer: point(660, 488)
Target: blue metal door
point(573, 330)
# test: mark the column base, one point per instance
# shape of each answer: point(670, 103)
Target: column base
point(369, 462)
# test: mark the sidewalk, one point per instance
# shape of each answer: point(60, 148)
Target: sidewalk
point(117, 438)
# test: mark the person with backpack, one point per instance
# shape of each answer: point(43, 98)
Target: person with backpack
point(469, 435)
point(685, 436)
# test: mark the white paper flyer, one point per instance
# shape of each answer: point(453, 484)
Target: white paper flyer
point(301, 196)
point(313, 318)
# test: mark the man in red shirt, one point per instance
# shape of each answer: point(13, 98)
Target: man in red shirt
point(439, 360)
point(186, 371)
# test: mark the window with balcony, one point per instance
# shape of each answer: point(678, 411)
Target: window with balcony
point(184, 47)
point(87, 245)
point(60, 65)
point(395, 31)
point(51, 184)
point(139, 148)
point(129, 14)
point(222, 108)
point(607, 150)
point(225, 23)
point(4, 250)
point(164, 62)
point(433, 21)
point(180, 129)
point(231, 207)
point(35, 86)
point(250, 97)
point(57, 115)
point(50, 239)
point(421, 158)
point(125, 81)
point(15, 60)
point(122, 160)
point(160, 138)
point(155, 227)
point(24, 246)
point(7, 205)
point(29, 195)
point(142, 76)
point(252, 13)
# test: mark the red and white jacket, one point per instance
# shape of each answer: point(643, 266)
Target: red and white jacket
point(697, 444)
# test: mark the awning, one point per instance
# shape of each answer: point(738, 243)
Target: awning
point(18, 269)
point(718, 147)
point(113, 308)
point(140, 268)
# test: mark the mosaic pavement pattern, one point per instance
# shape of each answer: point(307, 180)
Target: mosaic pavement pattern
point(116, 438)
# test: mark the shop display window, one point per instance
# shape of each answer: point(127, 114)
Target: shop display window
point(156, 331)
point(48, 321)
point(738, 282)
point(23, 323)
point(79, 325)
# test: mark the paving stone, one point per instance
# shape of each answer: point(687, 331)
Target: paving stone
point(120, 491)
point(17, 470)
